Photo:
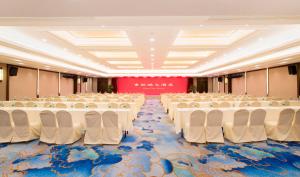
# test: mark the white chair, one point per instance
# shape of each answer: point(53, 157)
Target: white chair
point(113, 105)
point(224, 105)
point(244, 104)
point(31, 104)
point(255, 104)
point(279, 130)
point(61, 105)
point(93, 133)
point(23, 130)
point(6, 128)
point(237, 131)
point(92, 105)
point(213, 128)
point(79, 105)
point(68, 132)
point(48, 127)
point(194, 105)
point(125, 105)
point(294, 134)
point(18, 104)
point(112, 130)
point(274, 103)
point(257, 130)
point(194, 130)
point(182, 105)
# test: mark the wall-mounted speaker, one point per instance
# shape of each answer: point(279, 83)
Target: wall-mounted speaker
point(13, 71)
point(292, 69)
point(64, 75)
point(84, 79)
point(220, 79)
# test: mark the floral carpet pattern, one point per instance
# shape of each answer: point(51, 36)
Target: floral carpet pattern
point(151, 149)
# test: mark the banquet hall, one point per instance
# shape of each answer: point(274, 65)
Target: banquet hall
point(149, 88)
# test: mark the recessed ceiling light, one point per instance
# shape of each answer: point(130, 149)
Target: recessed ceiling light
point(260, 39)
point(152, 39)
point(21, 63)
point(65, 49)
point(44, 40)
point(201, 25)
point(18, 60)
point(152, 49)
point(152, 55)
point(79, 55)
point(283, 62)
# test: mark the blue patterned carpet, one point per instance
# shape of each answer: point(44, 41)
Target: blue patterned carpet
point(151, 149)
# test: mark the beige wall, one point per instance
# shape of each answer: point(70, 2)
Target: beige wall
point(23, 85)
point(94, 85)
point(3, 82)
point(222, 85)
point(66, 86)
point(281, 84)
point(238, 86)
point(215, 84)
point(210, 85)
point(48, 83)
point(256, 83)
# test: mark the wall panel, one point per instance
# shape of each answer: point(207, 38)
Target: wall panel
point(48, 84)
point(257, 83)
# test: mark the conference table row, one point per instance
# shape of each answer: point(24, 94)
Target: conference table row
point(134, 107)
point(78, 115)
point(171, 106)
point(181, 115)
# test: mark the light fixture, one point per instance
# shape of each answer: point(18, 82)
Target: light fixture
point(152, 55)
point(152, 39)
point(152, 49)
point(44, 40)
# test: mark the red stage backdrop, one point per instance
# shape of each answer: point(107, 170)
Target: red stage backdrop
point(152, 85)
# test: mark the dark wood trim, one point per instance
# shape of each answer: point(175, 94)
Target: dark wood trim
point(7, 83)
point(75, 84)
point(298, 79)
point(224, 84)
point(229, 84)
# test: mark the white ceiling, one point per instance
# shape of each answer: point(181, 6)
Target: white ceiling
point(150, 46)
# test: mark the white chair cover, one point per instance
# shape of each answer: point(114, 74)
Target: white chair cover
point(125, 105)
point(92, 105)
point(243, 104)
point(294, 134)
point(112, 130)
point(68, 132)
point(280, 130)
point(61, 105)
point(213, 129)
point(79, 105)
point(182, 105)
point(255, 104)
point(194, 130)
point(31, 104)
point(257, 125)
point(194, 105)
point(93, 132)
point(6, 128)
point(237, 132)
point(113, 105)
point(48, 127)
point(224, 105)
point(23, 130)
point(19, 104)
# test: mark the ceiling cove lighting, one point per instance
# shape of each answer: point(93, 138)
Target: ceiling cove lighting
point(170, 67)
point(274, 56)
point(123, 62)
point(181, 62)
point(130, 67)
point(92, 41)
point(43, 60)
point(210, 37)
point(20, 39)
point(188, 54)
point(106, 54)
point(272, 40)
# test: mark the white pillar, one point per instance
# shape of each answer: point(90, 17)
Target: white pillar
point(58, 83)
point(267, 81)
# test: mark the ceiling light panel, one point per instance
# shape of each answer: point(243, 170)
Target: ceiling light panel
point(210, 37)
point(180, 62)
point(189, 54)
point(94, 38)
point(108, 54)
point(115, 62)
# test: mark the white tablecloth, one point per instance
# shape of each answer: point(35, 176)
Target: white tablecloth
point(77, 115)
point(181, 115)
